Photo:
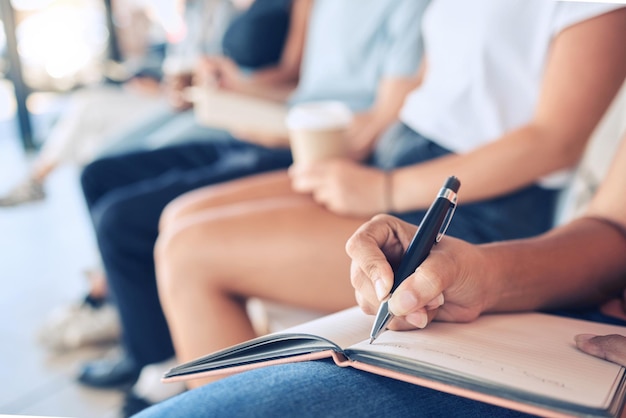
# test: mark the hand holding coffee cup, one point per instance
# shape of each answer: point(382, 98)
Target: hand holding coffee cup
point(317, 130)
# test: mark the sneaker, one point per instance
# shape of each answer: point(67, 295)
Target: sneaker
point(29, 190)
point(90, 322)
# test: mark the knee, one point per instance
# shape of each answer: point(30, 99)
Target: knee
point(113, 222)
point(170, 216)
point(183, 207)
point(89, 176)
point(180, 257)
point(92, 179)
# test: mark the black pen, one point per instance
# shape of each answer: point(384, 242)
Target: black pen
point(430, 231)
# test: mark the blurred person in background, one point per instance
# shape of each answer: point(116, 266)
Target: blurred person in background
point(323, 60)
point(146, 109)
point(110, 120)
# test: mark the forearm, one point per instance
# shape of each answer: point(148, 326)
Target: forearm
point(370, 125)
point(584, 71)
point(516, 160)
point(580, 264)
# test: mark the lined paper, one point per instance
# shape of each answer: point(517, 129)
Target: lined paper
point(530, 352)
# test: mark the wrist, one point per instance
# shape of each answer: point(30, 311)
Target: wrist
point(388, 189)
point(493, 281)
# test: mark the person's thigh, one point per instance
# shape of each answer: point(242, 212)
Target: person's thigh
point(126, 226)
point(183, 160)
point(286, 249)
point(261, 186)
point(318, 389)
point(138, 186)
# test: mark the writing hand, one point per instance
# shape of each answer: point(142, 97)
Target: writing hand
point(607, 347)
point(342, 186)
point(451, 285)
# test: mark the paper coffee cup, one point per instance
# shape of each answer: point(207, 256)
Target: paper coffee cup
point(317, 130)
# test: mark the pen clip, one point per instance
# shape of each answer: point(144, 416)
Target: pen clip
point(450, 195)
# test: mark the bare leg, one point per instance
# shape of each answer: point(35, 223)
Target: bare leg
point(286, 249)
point(247, 189)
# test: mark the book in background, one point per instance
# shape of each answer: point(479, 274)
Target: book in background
point(235, 112)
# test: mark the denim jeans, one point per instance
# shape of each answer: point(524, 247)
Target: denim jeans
point(126, 194)
point(322, 389)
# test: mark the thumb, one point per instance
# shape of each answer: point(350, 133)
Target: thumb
point(609, 347)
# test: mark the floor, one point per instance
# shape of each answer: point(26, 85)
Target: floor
point(44, 248)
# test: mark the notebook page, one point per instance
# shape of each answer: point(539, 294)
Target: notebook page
point(530, 352)
point(343, 328)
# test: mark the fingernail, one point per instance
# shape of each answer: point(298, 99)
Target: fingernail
point(418, 319)
point(381, 289)
point(583, 338)
point(405, 302)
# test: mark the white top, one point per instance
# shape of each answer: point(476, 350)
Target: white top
point(478, 85)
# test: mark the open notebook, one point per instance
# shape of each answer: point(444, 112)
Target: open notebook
point(524, 361)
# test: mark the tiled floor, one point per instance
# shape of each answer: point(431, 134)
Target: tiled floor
point(44, 248)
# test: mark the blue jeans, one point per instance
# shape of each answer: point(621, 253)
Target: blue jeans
point(125, 195)
point(322, 389)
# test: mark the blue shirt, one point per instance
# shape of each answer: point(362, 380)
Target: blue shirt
point(352, 45)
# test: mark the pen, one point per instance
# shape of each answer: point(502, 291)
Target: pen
point(430, 232)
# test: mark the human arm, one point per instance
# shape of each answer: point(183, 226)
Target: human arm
point(274, 82)
point(579, 82)
point(367, 126)
point(348, 188)
point(402, 70)
point(578, 264)
point(343, 185)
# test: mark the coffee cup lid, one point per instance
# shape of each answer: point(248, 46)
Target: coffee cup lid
point(319, 115)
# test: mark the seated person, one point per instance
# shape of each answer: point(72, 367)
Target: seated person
point(108, 118)
point(146, 121)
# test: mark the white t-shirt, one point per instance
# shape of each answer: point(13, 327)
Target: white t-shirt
point(486, 60)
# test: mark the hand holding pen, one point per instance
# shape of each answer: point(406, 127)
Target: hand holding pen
point(367, 245)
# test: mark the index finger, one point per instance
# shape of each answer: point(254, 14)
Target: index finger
point(376, 245)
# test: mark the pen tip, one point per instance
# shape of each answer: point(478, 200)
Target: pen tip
point(371, 340)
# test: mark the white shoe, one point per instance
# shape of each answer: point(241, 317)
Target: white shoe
point(81, 324)
point(149, 386)
point(29, 190)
